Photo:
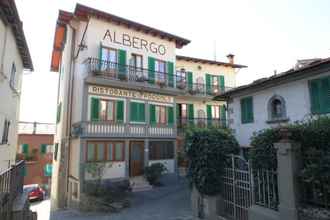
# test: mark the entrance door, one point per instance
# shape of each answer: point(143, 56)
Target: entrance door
point(136, 158)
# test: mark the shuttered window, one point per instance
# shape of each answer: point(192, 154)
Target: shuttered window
point(98, 151)
point(25, 148)
point(107, 110)
point(320, 95)
point(43, 148)
point(170, 115)
point(137, 112)
point(222, 83)
point(247, 110)
point(161, 150)
point(190, 80)
point(161, 115)
point(122, 65)
point(151, 70)
point(170, 72)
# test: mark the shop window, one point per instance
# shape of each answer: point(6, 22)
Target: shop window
point(161, 150)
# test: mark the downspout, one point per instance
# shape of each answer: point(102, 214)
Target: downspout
point(71, 92)
point(3, 51)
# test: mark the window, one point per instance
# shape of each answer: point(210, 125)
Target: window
point(12, 81)
point(109, 55)
point(137, 64)
point(161, 150)
point(247, 110)
point(58, 114)
point(160, 69)
point(160, 114)
point(55, 151)
point(74, 186)
point(215, 110)
point(181, 76)
point(215, 83)
point(105, 151)
point(5, 132)
point(45, 148)
point(48, 170)
point(319, 94)
point(107, 110)
point(137, 112)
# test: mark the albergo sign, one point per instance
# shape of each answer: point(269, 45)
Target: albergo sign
point(134, 42)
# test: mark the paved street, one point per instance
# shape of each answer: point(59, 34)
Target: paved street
point(170, 202)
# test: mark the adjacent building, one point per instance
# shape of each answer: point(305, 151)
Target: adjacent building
point(14, 59)
point(123, 92)
point(297, 94)
point(35, 146)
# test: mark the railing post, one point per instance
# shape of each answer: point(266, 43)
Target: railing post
point(287, 167)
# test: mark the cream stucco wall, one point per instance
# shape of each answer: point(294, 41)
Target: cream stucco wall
point(297, 100)
point(9, 98)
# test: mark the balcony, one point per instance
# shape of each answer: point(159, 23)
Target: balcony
point(106, 129)
point(184, 123)
point(130, 75)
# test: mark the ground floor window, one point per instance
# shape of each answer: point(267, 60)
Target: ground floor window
point(161, 150)
point(105, 151)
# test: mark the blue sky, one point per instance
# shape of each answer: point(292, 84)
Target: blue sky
point(265, 35)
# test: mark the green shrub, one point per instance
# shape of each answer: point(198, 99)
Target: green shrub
point(154, 172)
point(207, 150)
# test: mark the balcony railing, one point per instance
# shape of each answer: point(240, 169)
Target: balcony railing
point(184, 123)
point(111, 129)
point(11, 185)
point(128, 73)
point(200, 89)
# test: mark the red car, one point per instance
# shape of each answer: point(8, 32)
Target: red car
point(35, 192)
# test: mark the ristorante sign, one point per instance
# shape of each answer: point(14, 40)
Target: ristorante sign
point(100, 90)
point(134, 42)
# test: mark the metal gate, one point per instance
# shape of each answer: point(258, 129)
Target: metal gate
point(237, 194)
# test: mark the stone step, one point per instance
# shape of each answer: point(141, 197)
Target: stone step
point(141, 188)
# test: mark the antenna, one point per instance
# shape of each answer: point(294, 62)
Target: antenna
point(215, 50)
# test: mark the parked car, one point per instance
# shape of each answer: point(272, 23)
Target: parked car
point(35, 192)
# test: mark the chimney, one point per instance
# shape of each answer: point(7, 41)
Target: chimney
point(231, 58)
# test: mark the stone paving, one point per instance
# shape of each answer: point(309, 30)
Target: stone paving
point(169, 202)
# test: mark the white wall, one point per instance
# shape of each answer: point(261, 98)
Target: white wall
point(9, 98)
point(297, 99)
point(112, 170)
point(169, 164)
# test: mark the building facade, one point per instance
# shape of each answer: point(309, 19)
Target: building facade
point(295, 95)
point(35, 146)
point(119, 91)
point(14, 58)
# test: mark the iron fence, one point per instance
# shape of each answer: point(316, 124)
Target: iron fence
point(11, 185)
point(265, 188)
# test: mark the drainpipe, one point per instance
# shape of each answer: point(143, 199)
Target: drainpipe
point(3, 52)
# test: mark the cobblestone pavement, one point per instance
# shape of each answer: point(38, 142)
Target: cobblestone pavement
point(170, 202)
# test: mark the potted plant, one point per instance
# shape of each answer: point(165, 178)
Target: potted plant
point(154, 172)
point(181, 85)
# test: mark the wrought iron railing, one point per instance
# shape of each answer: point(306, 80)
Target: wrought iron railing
point(129, 73)
point(11, 185)
point(184, 123)
point(265, 188)
point(201, 89)
point(118, 129)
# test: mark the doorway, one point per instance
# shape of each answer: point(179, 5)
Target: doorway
point(136, 158)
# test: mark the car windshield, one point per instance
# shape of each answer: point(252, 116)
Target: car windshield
point(29, 188)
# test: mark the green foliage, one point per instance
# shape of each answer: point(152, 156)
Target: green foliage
point(206, 149)
point(153, 173)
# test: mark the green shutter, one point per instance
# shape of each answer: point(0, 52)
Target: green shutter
point(95, 109)
point(315, 87)
point(152, 113)
point(100, 57)
point(177, 111)
point(223, 115)
point(208, 83)
point(25, 149)
point(191, 113)
point(170, 116)
point(190, 80)
point(43, 148)
point(137, 112)
point(142, 112)
point(48, 170)
point(222, 83)
point(151, 71)
point(120, 111)
point(209, 114)
point(320, 95)
point(325, 95)
point(58, 114)
point(170, 71)
point(247, 110)
point(122, 62)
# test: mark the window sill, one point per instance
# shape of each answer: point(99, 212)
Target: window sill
point(278, 120)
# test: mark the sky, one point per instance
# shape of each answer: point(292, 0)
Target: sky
point(264, 35)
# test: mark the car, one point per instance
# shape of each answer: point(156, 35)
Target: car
point(35, 192)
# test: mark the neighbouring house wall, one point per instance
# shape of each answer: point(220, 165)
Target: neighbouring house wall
point(297, 100)
point(9, 97)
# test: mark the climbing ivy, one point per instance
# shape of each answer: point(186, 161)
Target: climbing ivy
point(207, 150)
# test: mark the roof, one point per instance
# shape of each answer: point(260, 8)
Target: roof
point(9, 14)
point(316, 67)
point(83, 12)
point(199, 60)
